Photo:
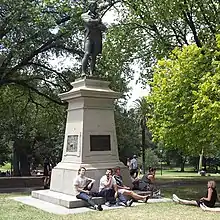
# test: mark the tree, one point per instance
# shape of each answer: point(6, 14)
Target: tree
point(142, 108)
point(153, 28)
point(185, 101)
point(33, 33)
point(34, 127)
point(152, 159)
point(127, 130)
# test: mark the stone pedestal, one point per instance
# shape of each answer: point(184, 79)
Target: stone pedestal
point(90, 136)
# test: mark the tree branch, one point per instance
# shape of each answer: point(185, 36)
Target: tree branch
point(52, 70)
point(71, 50)
point(189, 21)
point(41, 49)
point(26, 85)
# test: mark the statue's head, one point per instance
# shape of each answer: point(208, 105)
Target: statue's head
point(93, 6)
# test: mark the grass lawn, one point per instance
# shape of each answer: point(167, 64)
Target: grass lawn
point(174, 173)
point(5, 167)
point(11, 210)
point(176, 176)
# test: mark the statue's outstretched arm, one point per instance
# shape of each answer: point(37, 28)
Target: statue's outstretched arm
point(87, 19)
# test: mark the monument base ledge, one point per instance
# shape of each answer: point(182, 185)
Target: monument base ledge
point(62, 199)
point(64, 174)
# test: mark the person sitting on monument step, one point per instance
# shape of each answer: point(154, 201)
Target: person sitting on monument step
point(109, 190)
point(125, 190)
point(83, 185)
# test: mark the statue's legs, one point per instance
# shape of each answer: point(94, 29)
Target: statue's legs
point(88, 50)
point(92, 65)
point(85, 61)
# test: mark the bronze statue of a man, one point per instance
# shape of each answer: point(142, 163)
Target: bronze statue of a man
point(93, 37)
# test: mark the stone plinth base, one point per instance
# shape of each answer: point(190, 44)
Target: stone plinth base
point(64, 174)
point(62, 199)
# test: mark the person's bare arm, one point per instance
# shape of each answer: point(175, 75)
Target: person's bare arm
point(81, 189)
point(91, 182)
point(108, 182)
point(151, 178)
point(208, 198)
point(116, 190)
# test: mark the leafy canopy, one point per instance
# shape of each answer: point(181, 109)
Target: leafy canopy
point(185, 98)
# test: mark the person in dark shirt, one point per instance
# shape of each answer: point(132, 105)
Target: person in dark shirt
point(125, 190)
point(47, 167)
point(47, 173)
point(208, 201)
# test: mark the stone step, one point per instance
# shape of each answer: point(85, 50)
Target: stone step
point(61, 199)
point(69, 201)
point(60, 210)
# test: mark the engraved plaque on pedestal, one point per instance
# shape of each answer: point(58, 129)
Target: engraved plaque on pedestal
point(100, 143)
point(72, 143)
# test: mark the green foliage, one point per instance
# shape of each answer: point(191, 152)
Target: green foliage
point(185, 94)
point(127, 129)
point(34, 124)
point(29, 42)
point(151, 159)
point(154, 28)
point(33, 33)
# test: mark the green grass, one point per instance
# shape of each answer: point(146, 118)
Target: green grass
point(175, 174)
point(6, 167)
point(11, 210)
point(192, 192)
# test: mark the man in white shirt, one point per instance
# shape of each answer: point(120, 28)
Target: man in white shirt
point(83, 185)
point(109, 190)
point(108, 187)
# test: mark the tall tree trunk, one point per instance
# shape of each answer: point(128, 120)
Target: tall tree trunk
point(16, 167)
point(182, 164)
point(200, 160)
point(24, 165)
point(143, 143)
point(204, 163)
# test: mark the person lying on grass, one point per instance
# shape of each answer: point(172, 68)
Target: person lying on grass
point(208, 201)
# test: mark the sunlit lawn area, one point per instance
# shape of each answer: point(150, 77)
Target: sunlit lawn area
point(5, 167)
point(188, 174)
point(11, 210)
